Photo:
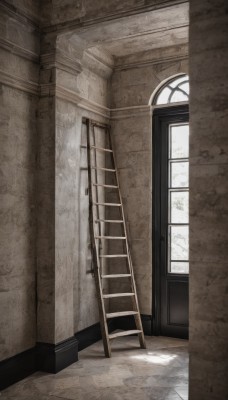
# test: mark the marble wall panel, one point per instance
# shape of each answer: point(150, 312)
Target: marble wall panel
point(18, 66)
point(17, 221)
point(93, 87)
point(18, 150)
point(66, 193)
point(46, 220)
point(208, 200)
point(77, 296)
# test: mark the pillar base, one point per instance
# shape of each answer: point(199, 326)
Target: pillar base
point(55, 357)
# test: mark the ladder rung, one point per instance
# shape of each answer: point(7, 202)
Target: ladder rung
point(114, 256)
point(104, 169)
point(116, 276)
point(113, 295)
point(111, 237)
point(107, 186)
point(124, 333)
point(115, 221)
point(101, 149)
point(108, 204)
point(121, 314)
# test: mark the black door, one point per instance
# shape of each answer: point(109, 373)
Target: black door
point(171, 221)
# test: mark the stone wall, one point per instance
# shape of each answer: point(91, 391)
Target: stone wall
point(208, 199)
point(73, 85)
point(19, 74)
point(49, 82)
point(131, 120)
point(74, 13)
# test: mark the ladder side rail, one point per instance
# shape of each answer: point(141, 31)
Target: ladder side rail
point(101, 306)
point(96, 191)
point(135, 303)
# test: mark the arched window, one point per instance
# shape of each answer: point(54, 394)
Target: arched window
point(174, 91)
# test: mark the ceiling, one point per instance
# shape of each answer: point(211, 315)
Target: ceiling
point(129, 35)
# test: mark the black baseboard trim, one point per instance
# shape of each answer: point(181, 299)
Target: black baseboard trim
point(55, 357)
point(92, 334)
point(126, 323)
point(88, 336)
point(17, 367)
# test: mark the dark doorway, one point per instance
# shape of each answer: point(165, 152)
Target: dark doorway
point(170, 221)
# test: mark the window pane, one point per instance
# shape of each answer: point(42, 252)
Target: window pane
point(178, 96)
point(179, 243)
point(163, 96)
point(179, 267)
point(177, 81)
point(179, 207)
point(179, 141)
point(185, 87)
point(179, 174)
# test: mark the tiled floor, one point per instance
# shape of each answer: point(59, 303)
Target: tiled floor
point(158, 373)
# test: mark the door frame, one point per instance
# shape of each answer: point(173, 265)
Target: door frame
point(158, 116)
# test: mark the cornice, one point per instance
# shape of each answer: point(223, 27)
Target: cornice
point(95, 64)
point(83, 22)
point(57, 59)
point(18, 50)
point(147, 63)
point(48, 90)
point(129, 112)
point(19, 83)
point(73, 97)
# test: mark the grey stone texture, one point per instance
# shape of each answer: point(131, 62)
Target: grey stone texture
point(19, 74)
point(50, 80)
point(69, 12)
point(131, 121)
point(208, 199)
point(159, 372)
point(87, 62)
point(66, 289)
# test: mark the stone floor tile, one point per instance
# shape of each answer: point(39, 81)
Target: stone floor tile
point(159, 372)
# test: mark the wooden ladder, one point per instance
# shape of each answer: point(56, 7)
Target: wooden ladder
point(98, 219)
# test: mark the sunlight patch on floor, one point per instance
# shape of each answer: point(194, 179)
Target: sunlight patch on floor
point(160, 359)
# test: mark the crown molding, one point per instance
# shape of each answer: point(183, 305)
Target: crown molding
point(148, 63)
point(57, 59)
point(47, 90)
point(95, 63)
point(156, 56)
point(19, 83)
point(85, 104)
point(78, 23)
point(18, 50)
point(129, 112)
